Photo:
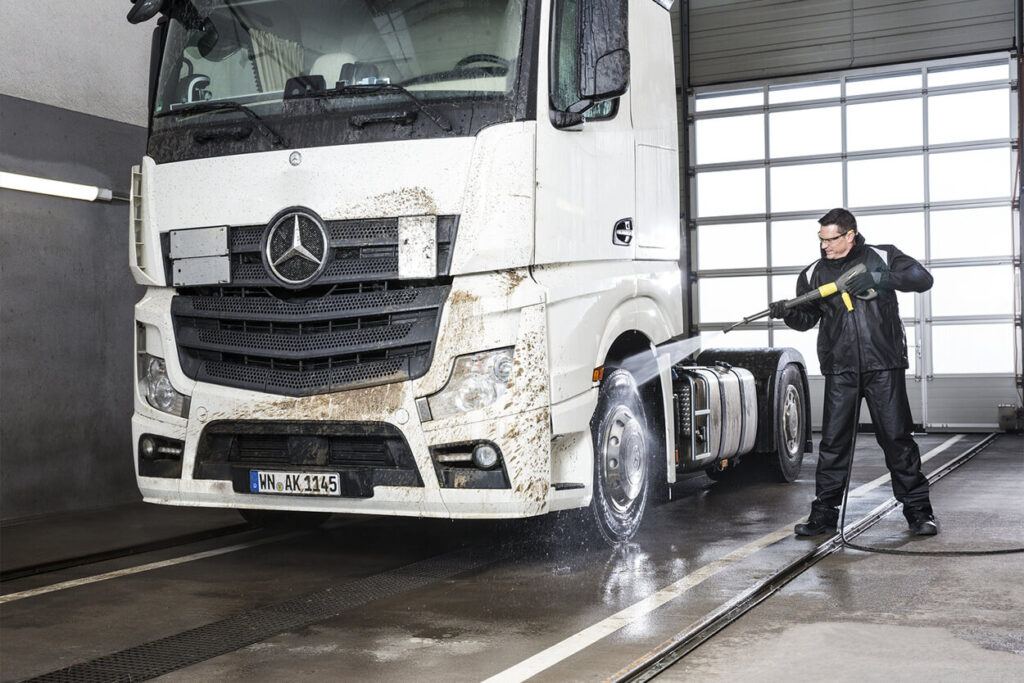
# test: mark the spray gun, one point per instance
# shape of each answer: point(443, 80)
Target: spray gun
point(841, 285)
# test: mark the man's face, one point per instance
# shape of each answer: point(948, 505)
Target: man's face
point(835, 241)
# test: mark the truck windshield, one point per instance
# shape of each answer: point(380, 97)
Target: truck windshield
point(231, 70)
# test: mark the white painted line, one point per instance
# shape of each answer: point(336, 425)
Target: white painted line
point(11, 597)
point(563, 650)
point(588, 636)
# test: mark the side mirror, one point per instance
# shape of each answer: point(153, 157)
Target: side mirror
point(589, 57)
point(144, 10)
point(604, 49)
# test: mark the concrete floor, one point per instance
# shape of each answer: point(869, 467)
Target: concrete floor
point(857, 616)
point(540, 599)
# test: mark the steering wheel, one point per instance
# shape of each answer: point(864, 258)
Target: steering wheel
point(500, 64)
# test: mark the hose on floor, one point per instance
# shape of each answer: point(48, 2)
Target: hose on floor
point(893, 551)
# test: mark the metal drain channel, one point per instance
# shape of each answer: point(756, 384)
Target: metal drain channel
point(159, 657)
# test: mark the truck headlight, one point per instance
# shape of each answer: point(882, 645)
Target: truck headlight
point(156, 386)
point(477, 381)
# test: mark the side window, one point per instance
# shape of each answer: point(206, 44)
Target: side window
point(565, 55)
point(564, 64)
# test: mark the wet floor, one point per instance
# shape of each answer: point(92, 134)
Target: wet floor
point(406, 599)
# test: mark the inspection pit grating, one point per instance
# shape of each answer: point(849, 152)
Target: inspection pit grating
point(159, 657)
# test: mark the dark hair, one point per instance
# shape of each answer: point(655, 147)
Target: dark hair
point(841, 217)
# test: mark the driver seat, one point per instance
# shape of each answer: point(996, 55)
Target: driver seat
point(330, 65)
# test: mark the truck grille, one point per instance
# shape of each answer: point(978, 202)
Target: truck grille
point(358, 325)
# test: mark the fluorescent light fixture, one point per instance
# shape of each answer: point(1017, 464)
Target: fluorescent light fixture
point(57, 188)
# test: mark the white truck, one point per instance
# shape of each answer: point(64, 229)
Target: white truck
point(411, 257)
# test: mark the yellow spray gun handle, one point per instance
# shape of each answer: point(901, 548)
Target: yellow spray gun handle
point(830, 289)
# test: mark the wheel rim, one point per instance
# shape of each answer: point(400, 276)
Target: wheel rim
point(623, 462)
point(791, 420)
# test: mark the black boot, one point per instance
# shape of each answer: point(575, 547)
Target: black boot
point(821, 520)
point(923, 523)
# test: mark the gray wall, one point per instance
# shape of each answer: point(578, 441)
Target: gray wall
point(73, 79)
point(66, 311)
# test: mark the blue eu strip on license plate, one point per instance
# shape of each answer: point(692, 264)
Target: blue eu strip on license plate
point(295, 483)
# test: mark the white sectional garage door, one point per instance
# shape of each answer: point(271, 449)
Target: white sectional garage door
point(924, 154)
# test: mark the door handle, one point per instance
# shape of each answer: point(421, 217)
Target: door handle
point(622, 235)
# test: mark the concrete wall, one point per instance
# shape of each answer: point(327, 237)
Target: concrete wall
point(76, 55)
point(72, 107)
point(66, 298)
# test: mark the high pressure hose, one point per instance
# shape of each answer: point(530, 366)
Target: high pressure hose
point(893, 551)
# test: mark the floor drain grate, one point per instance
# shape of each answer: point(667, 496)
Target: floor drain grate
point(165, 655)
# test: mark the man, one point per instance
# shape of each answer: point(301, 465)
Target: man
point(863, 353)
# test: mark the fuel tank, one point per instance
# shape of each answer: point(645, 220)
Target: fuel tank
point(715, 412)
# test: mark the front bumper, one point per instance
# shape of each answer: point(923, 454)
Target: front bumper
point(519, 424)
point(521, 438)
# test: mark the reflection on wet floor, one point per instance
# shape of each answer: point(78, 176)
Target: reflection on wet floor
point(540, 582)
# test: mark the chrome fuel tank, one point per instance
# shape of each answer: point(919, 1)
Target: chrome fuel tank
point(715, 412)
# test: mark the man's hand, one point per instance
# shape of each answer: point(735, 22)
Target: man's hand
point(777, 309)
point(862, 282)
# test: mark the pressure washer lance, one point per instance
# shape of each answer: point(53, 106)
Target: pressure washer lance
point(841, 285)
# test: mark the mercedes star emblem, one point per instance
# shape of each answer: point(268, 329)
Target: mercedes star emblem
point(296, 249)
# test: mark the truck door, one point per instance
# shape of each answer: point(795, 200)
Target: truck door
point(586, 175)
point(653, 114)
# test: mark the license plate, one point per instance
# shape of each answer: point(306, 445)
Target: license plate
point(296, 483)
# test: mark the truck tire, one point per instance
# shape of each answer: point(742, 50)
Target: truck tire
point(284, 518)
point(790, 413)
point(621, 458)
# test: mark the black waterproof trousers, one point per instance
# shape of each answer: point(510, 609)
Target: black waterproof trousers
point(886, 394)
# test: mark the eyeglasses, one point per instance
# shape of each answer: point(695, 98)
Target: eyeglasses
point(826, 240)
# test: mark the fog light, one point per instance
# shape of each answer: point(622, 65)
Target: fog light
point(485, 456)
point(160, 456)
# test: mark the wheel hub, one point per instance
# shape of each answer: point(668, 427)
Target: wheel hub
point(791, 419)
point(624, 461)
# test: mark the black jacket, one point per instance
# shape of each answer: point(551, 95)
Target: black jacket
point(873, 333)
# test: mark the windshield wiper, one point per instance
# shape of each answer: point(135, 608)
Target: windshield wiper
point(374, 88)
point(207, 107)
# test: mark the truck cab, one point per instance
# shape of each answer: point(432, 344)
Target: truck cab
point(422, 258)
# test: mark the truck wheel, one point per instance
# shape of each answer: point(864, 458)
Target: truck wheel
point(621, 458)
point(284, 518)
point(790, 412)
